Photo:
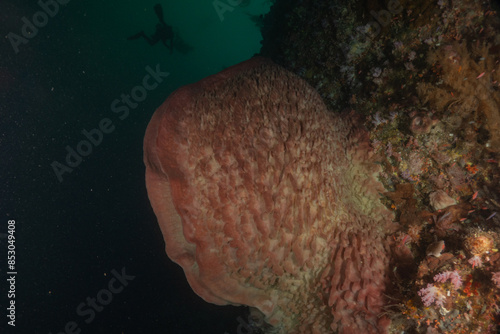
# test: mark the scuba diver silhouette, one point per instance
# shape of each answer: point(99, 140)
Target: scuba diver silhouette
point(163, 32)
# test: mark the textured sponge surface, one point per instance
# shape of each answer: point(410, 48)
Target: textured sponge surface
point(267, 199)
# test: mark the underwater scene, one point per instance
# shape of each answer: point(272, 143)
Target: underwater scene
point(250, 166)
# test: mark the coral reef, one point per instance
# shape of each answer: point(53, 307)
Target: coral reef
point(426, 76)
point(469, 74)
point(280, 211)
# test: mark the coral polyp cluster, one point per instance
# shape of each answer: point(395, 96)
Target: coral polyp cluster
point(479, 243)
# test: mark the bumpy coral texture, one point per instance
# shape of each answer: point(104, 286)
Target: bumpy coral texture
point(267, 199)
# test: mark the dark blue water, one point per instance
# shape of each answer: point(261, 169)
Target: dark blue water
point(89, 254)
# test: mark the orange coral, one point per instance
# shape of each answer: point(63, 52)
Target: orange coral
point(479, 243)
point(471, 73)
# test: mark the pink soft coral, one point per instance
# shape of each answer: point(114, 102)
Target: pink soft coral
point(496, 279)
point(453, 276)
point(476, 261)
point(431, 294)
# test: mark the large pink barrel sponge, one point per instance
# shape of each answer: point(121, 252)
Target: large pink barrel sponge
point(267, 199)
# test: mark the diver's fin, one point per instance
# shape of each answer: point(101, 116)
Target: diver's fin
point(180, 45)
point(159, 12)
point(136, 36)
